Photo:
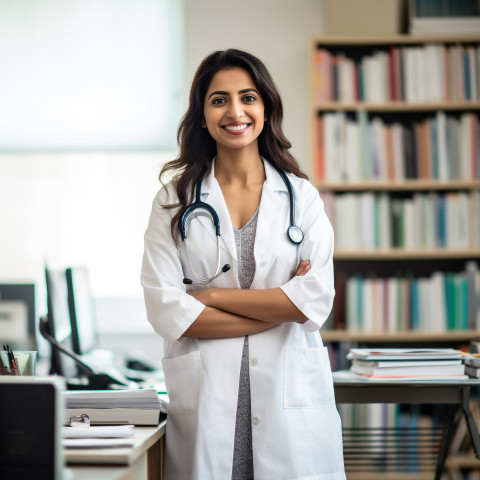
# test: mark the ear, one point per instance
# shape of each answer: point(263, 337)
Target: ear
point(204, 124)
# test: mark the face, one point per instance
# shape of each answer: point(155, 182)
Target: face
point(234, 110)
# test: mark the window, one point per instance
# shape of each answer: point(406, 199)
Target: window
point(90, 74)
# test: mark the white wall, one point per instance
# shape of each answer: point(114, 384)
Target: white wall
point(276, 31)
point(116, 189)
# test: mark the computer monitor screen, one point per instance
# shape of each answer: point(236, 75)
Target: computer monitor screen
point(82, 314)
point(59, 321)
point(17, 315)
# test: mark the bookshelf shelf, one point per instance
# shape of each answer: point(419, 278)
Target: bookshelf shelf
point(404, 185)
point(397, 106)
point(400, 254)
point(378, 40)
point(400, 336)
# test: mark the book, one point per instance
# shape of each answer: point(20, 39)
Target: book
point(472, 361)
point(472, 371)
point(109, 407)
point(430, 368)
point(404, 353)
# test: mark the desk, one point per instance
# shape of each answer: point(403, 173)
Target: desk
point(143, 461)
point(453, 394)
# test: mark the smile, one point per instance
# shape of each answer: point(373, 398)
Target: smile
point(238, 128)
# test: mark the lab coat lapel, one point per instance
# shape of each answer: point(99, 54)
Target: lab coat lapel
point(272, 205)
point(212, 194)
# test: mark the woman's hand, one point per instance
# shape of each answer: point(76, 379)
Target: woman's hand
point(201, 295)
point(303, 267)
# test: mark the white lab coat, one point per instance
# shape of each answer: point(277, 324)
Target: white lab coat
point(295, 425)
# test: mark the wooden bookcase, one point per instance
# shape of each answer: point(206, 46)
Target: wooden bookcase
point(417, 101)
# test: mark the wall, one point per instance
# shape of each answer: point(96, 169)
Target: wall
point(33, 206)
point(276, 31)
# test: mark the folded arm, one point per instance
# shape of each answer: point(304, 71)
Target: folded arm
point(232, 312)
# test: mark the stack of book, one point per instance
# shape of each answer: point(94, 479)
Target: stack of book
point(110, 407)
point(407, 364)
point(472, 365)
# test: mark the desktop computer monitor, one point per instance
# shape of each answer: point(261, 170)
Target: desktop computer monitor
point(82, 314)
point(59, 322)
point(17, 315)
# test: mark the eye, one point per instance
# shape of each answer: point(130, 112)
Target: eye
point(218, 101)
point(249, 98)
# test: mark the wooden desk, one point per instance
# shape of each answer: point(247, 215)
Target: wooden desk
point(454, 395)
point(143, 461)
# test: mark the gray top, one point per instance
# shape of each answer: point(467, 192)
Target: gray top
point(245, 241)
point(242, 468)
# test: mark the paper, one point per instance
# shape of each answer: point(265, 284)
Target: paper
point(108, 431)
point(98, 442)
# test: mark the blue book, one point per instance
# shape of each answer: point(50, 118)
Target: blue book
point(450, 298)
point(441, 223)
point(434, 143)
point(361, 82)
point(414, 305)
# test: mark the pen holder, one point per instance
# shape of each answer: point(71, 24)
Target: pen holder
point(26, 362)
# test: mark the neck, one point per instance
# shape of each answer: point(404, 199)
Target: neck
point(239, 168)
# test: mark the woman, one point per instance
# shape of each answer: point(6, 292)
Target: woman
point(248, 378)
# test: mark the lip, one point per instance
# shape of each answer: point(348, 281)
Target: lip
point(236, 128)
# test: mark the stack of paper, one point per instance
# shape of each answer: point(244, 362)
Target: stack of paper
point(110, 407)
point(407, 364)
point(104, 436)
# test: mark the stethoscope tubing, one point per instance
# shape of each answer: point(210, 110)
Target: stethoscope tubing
point(294, 233)
point(204, 280)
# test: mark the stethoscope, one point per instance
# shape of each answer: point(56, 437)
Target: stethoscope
point(294, 233)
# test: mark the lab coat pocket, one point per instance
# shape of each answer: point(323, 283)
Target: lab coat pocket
point(183, 379)
point(308, 378)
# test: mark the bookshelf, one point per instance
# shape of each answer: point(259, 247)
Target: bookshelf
point(396, 156)
point(395, 149)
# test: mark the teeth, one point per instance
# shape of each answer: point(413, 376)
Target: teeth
point(236, 127)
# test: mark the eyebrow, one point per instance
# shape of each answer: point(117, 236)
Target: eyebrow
point(245, 90)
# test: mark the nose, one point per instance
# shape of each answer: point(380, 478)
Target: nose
point(236, 109)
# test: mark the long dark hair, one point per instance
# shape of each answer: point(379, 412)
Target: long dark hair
point(197, 147)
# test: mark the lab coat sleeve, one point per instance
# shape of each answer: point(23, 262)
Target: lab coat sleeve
point(170, 310)
point(313, 293)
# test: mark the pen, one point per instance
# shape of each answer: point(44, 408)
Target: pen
point(13, 363)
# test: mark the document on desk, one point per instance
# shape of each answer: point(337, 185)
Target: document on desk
point(98, 437)
point(114, 407)
point(104, 431)
point(98, 443)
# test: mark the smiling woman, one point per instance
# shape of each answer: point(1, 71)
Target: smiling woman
point(246, 372)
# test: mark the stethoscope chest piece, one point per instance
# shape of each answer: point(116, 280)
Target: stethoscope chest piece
point(295, 234)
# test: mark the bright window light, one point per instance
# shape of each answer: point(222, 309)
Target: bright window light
point(93, 75)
